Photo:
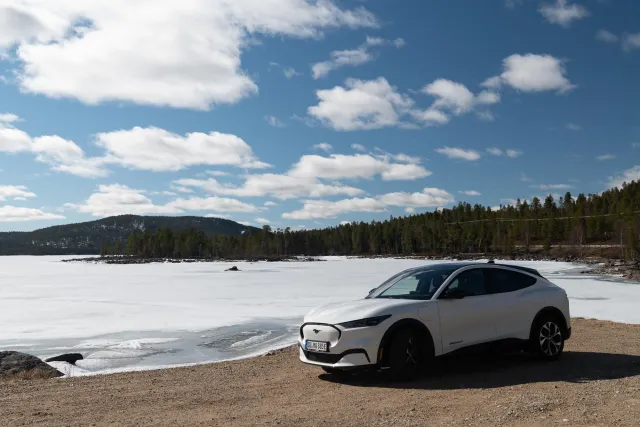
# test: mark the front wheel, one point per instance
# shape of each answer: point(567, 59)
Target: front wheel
point(408, 355)
point(547, 339)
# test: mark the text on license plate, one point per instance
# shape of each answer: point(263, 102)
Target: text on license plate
point(317, 346)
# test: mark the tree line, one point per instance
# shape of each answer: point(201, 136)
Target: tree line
point(611, 218)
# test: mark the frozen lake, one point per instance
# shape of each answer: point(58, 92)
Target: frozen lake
point(133, 317)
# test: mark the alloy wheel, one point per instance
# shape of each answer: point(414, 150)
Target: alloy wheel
point(550, 339)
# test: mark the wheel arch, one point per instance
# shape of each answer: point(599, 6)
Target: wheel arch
point(553, 311)
point(398, 326)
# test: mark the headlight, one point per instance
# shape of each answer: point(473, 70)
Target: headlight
point(363, 323)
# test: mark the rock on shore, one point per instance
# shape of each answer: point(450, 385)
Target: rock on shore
point(21, 365)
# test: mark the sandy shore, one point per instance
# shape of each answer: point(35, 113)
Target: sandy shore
point(596, 383)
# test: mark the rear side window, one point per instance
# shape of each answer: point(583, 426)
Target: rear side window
point(500, 281)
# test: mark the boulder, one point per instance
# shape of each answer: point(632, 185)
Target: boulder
point(234, 268)
point(71, 358)
point(16, 364)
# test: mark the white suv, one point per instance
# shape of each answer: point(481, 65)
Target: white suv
point(435, 310)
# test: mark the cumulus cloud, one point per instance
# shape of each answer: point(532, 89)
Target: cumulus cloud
point(17, 192)
point(361, 105)
point(459, 153)
point(262, 221)
point(316, 209)
point(631, 174)
point(339, 166)
point(126, 46)
point(359, 147)
point(18, 214)
point(606, 157)
point(156, 149)
point(351, 57)
point(8, 118)
point(532, 73)
point(510, 152)
point(117, 199)
point(563, 12)
point(60, 154)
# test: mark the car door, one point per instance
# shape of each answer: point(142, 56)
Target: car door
point(517, 301)
point(470, 320)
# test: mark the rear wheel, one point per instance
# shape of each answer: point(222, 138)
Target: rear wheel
point(408, 355)
point(547, 338)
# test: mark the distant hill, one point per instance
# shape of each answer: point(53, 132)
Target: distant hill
point(89, 237)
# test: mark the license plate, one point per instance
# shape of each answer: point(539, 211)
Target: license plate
point(317, 346)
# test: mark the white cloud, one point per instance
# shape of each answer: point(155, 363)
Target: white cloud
point(606, 157)
point(459, 153)
point(218, 215)
point(279, 186)
point(534, 73)
point(126, 46)
point(513, 153)
point(217, 173)
point(606, 36)
point(573, 127)
point(563, 12)
point(361, 105)
point(471, 193)
point(339, 59)
point(358, 147)
point(15, 191)
point(352, 57)
point(217, 204)
point(270, 203)
point(631, 174)
point(631, 41)
point(315, 209)
point(410, 210)
point(16, 214)
point(553, 186)
point(262, 221)
point(246, 223)
point(290, 72)
point(117, 199)
point(452, 98)
point(494, 82)
point(339, 166)
point(8, 118)
point(274, 122)
point(324, 147)
point(158, 150)
point(495, 151)
point(61, 154)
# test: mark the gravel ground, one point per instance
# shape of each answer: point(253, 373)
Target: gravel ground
point(595, 383)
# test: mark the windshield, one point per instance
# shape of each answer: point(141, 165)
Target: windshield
point(421, 284)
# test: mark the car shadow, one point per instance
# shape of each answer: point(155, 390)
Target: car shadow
point(487, 371)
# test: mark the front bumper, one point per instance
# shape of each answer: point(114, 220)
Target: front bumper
point(350, 348)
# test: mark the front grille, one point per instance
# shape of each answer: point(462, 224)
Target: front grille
point(322, 357)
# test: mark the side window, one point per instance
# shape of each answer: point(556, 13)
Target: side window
point(470, 281)
point(501, 281)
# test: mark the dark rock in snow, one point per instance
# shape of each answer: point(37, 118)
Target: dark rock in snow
point(234, 268)
point(15, 364)
point(68, 357)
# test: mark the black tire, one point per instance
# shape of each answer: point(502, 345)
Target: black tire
point(546, 341)
point(409, 355)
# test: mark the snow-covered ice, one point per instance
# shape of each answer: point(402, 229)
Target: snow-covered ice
point(128, 317)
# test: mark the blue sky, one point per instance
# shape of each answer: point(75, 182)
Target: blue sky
point(308, 113)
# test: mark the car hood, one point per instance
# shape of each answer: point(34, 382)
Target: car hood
point(360, 309)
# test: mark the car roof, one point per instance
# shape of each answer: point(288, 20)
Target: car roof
point(459, 265)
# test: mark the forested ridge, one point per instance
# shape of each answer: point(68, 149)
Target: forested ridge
point(611, 218)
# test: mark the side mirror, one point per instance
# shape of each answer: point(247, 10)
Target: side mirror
point(454, 294)
point(371, 291)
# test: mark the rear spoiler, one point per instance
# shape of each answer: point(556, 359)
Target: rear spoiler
point(519, 267)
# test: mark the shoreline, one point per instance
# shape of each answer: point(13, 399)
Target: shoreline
point(627, 269)
point(593, 383)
